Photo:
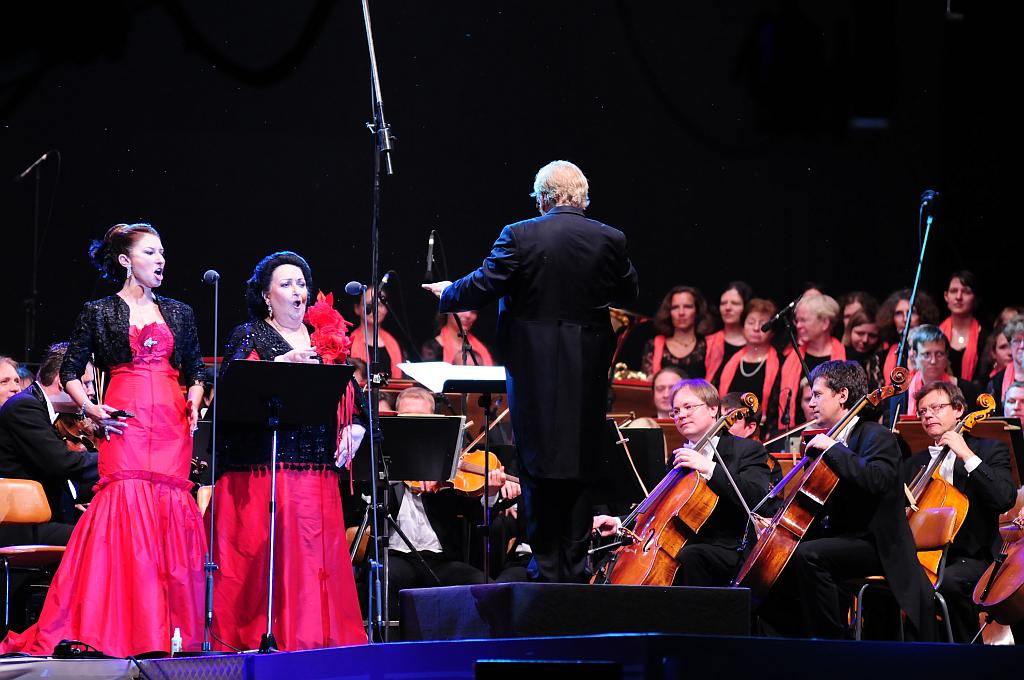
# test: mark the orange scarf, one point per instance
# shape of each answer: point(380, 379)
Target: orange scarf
point(1009, 375)
point(451, 347)
point(714, 353)
point(386, 339)
point(789, 388)
point(771, 370)
point(970, 362)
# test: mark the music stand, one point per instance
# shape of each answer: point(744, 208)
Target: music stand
point(440, 376)
point(632, 463)
point(273, 395)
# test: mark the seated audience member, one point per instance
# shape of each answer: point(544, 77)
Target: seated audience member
point(961, 328)
point(447, 344)
point(681, 322)
point(10, 381)
point(433, 521)
point(995, 355)
point(892, 319)
point(662, 384)
point(756, 367)
point(998, 384)
point(31, 448)
point(930, 362)
point(814, 318)
point(978, 468)
point(857, 301)
point(722, 344)
point(1013, 401)
point(390, 352)
point(710, 557)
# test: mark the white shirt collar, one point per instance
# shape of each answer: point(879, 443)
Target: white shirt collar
point(49, 406)
point(844, 434)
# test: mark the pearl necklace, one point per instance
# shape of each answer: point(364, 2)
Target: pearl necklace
point(754, 372)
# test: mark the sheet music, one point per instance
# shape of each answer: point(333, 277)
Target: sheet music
point(434, 374)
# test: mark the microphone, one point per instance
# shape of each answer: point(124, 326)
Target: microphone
point(354, 288)
point(32, 167)
point(428, 277)
point(929, 196)
point(767, 326)
point(211, 276)
point(386, 279)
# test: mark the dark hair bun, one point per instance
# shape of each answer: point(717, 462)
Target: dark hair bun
point(117, 241)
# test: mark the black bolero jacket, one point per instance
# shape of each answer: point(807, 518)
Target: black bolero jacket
point(102, 329)
point(309, 447)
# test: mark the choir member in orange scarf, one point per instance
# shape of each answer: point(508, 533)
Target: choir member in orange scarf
point(391, 355)
point(1000, 383)
point(962, 329)
point(447, 344)
point(722, 345)
point(681, 322)
point(755, 368)
point(814, 317)
point(892, 318)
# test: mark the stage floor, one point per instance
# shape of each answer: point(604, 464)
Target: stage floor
point(630, 656)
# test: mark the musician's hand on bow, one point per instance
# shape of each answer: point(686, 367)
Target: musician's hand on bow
point(694, 460)
point(606, 525)
point(436, 288)
point(761, 523)
point(821, 443)
point(511, 490)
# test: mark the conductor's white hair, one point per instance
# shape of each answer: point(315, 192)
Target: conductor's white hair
point(562, 183)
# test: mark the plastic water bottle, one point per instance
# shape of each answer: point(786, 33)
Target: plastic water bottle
point(176, 642)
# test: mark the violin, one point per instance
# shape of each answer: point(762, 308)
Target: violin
point(469, 476)
point(929, 490)
point(76, 433)
point(660, 526)
point(777, 542)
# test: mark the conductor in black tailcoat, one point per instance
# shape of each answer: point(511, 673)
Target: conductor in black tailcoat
point(555, 276)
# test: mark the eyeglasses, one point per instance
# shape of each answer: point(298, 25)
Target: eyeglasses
point(934, 410)
point(932, 356)
point(685, 409)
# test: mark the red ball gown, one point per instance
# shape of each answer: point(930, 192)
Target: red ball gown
point(133, 570)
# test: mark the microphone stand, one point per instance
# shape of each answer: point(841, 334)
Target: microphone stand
point(925, 198)
point(209, 566)
point(382, 164)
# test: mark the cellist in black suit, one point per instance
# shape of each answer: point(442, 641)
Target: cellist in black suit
point(978, 468)
point(711, 557)
point(863, 528)
point(555, 276)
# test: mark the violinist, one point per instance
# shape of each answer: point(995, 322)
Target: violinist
point(711, 558)
point(978, 468)
point(433, 522)
point(864, 529)
point(31, 448)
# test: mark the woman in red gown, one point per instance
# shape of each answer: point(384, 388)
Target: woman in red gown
point(133, 570)
point(315, 601)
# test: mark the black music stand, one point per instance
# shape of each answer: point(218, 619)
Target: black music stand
point(441, 377)
point(272, 395)
point(621, 450)
point(416, 447)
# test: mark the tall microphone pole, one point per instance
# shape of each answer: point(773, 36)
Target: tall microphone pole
point(211, 277)
point(927, 198)
point(382, 163)
point(32, 302)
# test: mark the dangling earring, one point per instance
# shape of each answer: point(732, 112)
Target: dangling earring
point(128, 269)
point(270, 310)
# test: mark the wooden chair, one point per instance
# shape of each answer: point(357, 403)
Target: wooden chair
point(23, 501)
point(933, 530)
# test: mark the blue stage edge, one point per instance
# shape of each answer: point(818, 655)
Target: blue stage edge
point(627, 656)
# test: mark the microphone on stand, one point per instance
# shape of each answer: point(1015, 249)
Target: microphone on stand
point(32, 167)
point(354, 288)
point(767, 326)
point(930, 196)
point(211, 277)
point(428, 277)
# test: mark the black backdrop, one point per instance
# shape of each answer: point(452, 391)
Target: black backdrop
point(775, 142)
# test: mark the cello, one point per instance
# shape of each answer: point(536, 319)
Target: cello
point(929, 490)
point(673, 513)
point(1000, 590)
point(778, 540)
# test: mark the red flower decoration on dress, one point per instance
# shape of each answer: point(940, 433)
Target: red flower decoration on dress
point(330, 335)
